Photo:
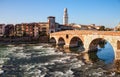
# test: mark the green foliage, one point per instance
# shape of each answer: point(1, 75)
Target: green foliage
point(42, 33)
point(102, 43)
point(102, 28)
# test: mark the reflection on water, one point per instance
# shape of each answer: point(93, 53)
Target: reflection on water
point(93, 55)
point(102, 52)
point(106, 53)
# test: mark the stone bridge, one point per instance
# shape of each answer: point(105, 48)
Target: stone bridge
point(87, 37)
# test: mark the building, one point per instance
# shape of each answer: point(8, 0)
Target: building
point(43, 28)
point(52, 24)
point(63, 27)
point(30, 28)
point(25, 29)
point(49, 27)
point(18, 30)
point(9, 30)
point(36, 30)
point(2, 29)
point(85, 27)
point(76, 26)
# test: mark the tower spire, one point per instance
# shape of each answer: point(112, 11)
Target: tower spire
point(65, 17)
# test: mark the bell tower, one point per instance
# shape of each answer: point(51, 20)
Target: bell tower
point(65, 17)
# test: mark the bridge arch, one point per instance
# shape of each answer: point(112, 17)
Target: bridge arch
point(53, 41)
point(95, 42)
point(98, 43)
point(101, 38)
point(75, 41)
point(76, 44)
point(61, 41)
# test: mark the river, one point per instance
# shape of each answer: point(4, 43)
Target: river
point(107, 53)
point(42, 60)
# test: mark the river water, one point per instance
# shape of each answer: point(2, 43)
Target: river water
point(36, 61)
point(107, 53)
point(42, 60)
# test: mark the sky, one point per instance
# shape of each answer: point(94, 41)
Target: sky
point(99, 12)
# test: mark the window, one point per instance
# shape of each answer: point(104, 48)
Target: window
point(67, 36)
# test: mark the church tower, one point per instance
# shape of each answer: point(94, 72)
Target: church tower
point(65, 17)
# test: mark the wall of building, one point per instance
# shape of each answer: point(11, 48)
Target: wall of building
point(2, 29)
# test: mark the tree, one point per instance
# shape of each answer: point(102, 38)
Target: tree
point(41, 33)
point(108, 29)
point(102, 28)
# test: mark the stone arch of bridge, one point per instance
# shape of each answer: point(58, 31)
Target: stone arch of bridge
point(94, 42)
point(89, 39)
point(61, 41)
point(76, 41)
point(53, 40)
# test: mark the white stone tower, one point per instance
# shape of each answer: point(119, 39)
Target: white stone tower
point(65, 17)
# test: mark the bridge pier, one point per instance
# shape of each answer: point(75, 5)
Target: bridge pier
point(67, 50)
point(86, 47)
point(117, 57)
point(66, 46)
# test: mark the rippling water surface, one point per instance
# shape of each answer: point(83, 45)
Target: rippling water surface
point(42, 61)
point(37, 61)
